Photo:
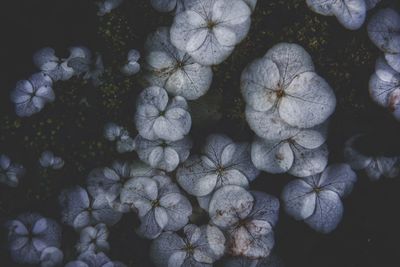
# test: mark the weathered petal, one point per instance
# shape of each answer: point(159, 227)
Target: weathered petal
point(323, 7)
point(272, 156)
point(393, 60)
point(328, 212)
point(309, 161)
point(383, 30)
point(164, 247)
point(185, 26)
point(266, 208)
point(174, 125)
point(103, 212)
point(149, 227)
point(310, 138)
point(269, 125)
point(191, 81)
point(196, 177)
point(299, 199)
point(73, 202)
point(138, 191)
point(291, 59)
point(229, 204)
point(178, 209)
point(224, 35)
point(309, 101)
point(154, 96)
point(259, 82)
point(243, 243)
point(339, 178)
point(350, 13)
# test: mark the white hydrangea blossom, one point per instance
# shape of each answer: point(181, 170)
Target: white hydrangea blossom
point(284, 80)
point(159, 117)
point(173, 69)
point(350, 13)
point(317, 199)
point(208, 30)
point(161, 154)
point(302, 154)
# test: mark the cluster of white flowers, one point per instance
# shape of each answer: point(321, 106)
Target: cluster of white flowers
point(384, 85)
point(350, 13)
point(30, 96)
point(287, 107)
point(123, 141)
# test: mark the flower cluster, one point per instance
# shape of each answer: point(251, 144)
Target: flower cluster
point(350, 13)
point(384, 85)
point(287, 106)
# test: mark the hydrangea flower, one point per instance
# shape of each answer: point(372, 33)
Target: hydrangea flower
point(303, 154)
point(46, 60)
point(10, 173)
point(80, 210)
point(91, 259)
point(317, 199)
point(29, 235)
point(350, 13)
point(169, 5)
point(30, 96)
point(173, 69)
point(106, 6)
point(200, 247)
point(159, 203)
point(49, 160)
point(51, 257)
point(208, 30)
point(158, 117)
point(83, 64)
point(384, 31)
point(93, 238)
point(118, 134)
point(247, 218)
point(132, 66)
point(270, 261)
point(222, 162)
point(384, 87)
point(374, 166)
point(161, 154)
point(109, 181)
point(284, 81)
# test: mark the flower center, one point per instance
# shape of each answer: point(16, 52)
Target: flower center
point(220, 169)
point(189, 248)
point(211, 24)
point(280, 93)
point(317, 190)
point(180, 65)
point(155, 203)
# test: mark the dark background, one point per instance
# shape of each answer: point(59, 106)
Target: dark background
point(72, 126)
